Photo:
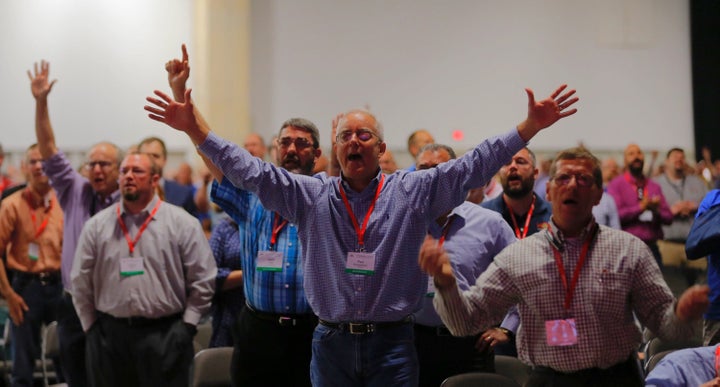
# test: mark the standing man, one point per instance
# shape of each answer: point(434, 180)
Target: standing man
point(527, 213)
point(31, 228)
point(143, 276)
point(416, 141)
point(640, 202)
point(361, 232)
point(80, 198)
point(683, 193)
point(276, 326)
point(273, 332)
point(578, 286)
point(175, 193)
point(474, 235)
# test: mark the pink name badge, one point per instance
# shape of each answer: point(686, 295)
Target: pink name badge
point(561, 332)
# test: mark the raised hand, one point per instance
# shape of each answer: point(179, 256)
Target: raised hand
point(180, 116)
point(546, 112)
point(39, 84)
point(178, 73)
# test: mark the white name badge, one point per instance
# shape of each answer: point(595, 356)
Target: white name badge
point(269, 261)
point(131, 266)
point(360, 262)
point(431, 287)
point(34, 251)
point(646, 216)
point(561, 332)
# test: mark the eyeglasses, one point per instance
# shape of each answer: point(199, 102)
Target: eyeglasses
point(102, 164)
point(580, 179)
point(300, 142)
point(363, 135)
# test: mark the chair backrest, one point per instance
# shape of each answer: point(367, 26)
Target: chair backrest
point(655, 359)
point(50, 350)
point(473, 379)
point(202, 338)
point(657, 345)
point(211, 368)
point(513, 368)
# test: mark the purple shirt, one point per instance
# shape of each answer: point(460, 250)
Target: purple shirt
point(78, 202)
point(625, 192)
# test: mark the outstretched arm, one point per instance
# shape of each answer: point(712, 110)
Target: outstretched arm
point(542, 114)
point(40, 88)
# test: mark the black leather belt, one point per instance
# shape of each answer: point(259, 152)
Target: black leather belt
point(284, 320)
point(141, 321)
point(361, 328)
point(45, 278)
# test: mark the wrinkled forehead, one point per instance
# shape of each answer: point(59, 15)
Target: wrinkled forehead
point(358, 120)
point(583, 166)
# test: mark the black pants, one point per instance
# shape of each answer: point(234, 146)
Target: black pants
point(625, 374)
point(441, 355)
point(268, 353)
point(144, 354)
point(72, 343)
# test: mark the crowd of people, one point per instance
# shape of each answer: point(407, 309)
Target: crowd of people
point(341, 268)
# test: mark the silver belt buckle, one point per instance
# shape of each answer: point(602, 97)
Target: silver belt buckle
point(361, 329)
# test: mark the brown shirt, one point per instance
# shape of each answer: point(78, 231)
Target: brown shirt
point(18, 231)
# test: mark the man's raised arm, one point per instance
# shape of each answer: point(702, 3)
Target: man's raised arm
point(40, 88)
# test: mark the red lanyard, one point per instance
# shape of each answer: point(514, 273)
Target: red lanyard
point(570, 290)
point(43, 225)
point(361, 231)
point(641, 191)
point(276, 230)
point(717, 361)
point(131, 242)
point(527, 219)
point(445, 231)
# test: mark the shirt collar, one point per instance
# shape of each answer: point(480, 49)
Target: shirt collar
point(145, 210)
point(370, 188)
point(561, 238)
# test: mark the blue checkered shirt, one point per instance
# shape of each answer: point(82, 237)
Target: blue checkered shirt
point(407, 204)
point(272, 292)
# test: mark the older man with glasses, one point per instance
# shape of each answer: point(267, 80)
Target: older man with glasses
point(361, 232)
point(578, 286)
point(80, 198)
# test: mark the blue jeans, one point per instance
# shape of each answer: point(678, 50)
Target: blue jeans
point(383, 358)
point(42, 301)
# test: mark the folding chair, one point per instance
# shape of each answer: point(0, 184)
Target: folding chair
point(211, 368)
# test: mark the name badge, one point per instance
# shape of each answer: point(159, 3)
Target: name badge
point(34, 251)
point(269, 261)
point(360, 262)
point(646, 216)
point(430, 287)
point(131, 266)
point(561, 332)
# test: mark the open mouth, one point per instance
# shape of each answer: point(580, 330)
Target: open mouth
point(354, 157)
point(570, 202)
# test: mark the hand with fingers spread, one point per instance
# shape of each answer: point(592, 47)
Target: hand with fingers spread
point(542, 114)
point(39, 84)
point(334, 168)
point(178, 73)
